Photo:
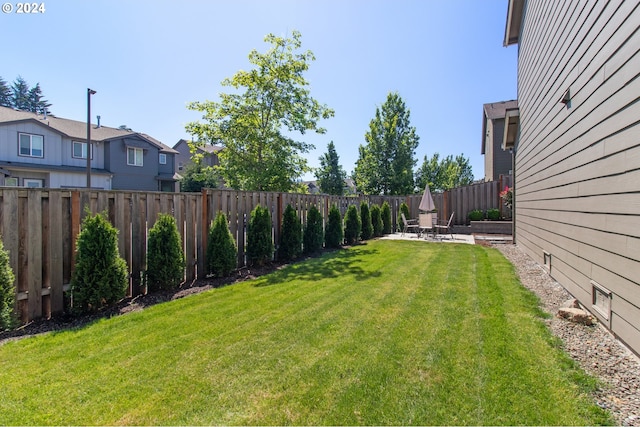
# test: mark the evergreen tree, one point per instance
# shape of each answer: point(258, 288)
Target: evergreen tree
point(7, 291)
point(291, 235)
point(259, 240)
point(330, 174)
point(313, 238)
point(376, 220)
point(386, 218)
point(37, 103)
point(385, 163)
point(222, 253)
point(333, 234)
point(366, 232)
point(6, 95)
point(20, 90)
point(165, 258)
point(352, 225)
point(100, 277)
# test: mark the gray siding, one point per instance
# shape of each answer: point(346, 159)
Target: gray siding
point(128, 177)
point(501, 164)
point(578, 166)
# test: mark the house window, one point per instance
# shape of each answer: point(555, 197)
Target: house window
point(601, 299)
point(163, 159)
point(80, 150)
point(11, 182)
point(134, 156)
point(180, 165)
point(33, 183)
point(30, 145)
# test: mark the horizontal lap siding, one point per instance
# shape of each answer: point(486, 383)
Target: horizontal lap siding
point(578, 166)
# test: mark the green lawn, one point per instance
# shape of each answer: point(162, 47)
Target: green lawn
point(391, 332)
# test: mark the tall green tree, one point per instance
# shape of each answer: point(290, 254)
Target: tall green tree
point(385, 164)
point(444, 174)
point(37, 103)
point(6, 95)
point(256, 121)
point(20, 89)
point(330, 174)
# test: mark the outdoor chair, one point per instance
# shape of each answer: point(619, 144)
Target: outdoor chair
point(425, 223)
point(409, 224)
point(445, 227)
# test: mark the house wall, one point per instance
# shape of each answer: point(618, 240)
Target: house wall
point(578, 165)
point(488, 151)
point(501, 159)
point(184, 157)
point(57, 149)
point(129, 177)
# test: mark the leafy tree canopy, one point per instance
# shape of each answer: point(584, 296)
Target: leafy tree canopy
point(385, 164)
point(330, 174)
point(256, 121)
point(444, 174)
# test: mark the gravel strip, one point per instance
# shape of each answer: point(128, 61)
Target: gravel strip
point(597, 351)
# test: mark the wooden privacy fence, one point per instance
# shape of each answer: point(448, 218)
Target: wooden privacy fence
point(462, 200)
point(39, 228)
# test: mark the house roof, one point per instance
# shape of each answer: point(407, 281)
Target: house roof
point(493, 111)
point(208, 148)
point(514, 22)
point(75, 129)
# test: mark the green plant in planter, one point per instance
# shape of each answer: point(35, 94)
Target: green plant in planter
point(493, 214)
point(476, 215)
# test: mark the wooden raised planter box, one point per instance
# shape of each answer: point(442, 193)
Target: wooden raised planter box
point(491, 227)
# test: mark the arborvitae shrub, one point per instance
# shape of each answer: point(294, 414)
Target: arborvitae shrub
point(259, 240)
point(376, 220)
point(386, 218)
point(222, 252)
point(312, 239)
point(366, 231)
point(165, 258)
point(7, 291)
point(352, 225)
point(290, 236)
point(100, 277)
point(405, 210)
point(333, 234)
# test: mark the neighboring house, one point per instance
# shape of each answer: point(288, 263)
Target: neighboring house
point(497, 160)
point(48, 151)
point(183, 157)
point(577, 152)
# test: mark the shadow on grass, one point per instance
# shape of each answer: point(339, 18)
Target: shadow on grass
point(335, 264)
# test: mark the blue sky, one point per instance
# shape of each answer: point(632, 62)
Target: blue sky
point(148, 59)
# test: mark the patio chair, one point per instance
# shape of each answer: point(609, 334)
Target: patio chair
point(425, 223)
point(408, 224)
point(446, 227)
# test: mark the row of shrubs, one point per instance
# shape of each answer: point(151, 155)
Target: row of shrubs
point(100, 277)
point(479, 215)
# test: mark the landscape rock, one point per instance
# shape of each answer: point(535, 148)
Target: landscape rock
point(571, 303)
point(576, 315)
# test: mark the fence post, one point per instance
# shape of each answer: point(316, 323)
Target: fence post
point(204, 232)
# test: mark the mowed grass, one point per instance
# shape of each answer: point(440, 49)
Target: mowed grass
point(387, 333)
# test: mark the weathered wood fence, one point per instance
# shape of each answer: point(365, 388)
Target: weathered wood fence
point(39, 228)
